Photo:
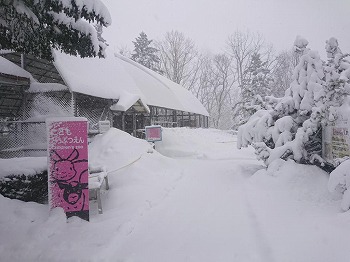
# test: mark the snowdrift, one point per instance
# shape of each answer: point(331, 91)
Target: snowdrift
point(206, 201)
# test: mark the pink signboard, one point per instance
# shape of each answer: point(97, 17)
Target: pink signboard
point(68, 165)
point(153, 133)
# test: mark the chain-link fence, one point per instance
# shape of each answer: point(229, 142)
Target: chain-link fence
point(28, 136)
point(22, 138)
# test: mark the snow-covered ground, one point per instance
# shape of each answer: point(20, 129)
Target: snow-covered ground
point(195, 198)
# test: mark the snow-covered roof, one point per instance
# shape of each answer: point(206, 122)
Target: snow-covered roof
point(160, 91)
point(36, 87)
point(116, 76)
point(128, 100)
point(98, 77)
point(9, 68)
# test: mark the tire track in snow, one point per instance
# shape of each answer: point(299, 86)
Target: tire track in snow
point(263, 249)
point(261, 240)
point(204, 216)
point(129, 226)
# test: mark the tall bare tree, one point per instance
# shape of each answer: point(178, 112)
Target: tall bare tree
point(241, 46)
point(178, 58)
point(214, 88)
point(202, 88)
point(282, 72)
point(222, 83)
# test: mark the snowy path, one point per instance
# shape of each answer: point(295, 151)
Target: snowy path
point(204, 217)
point(201, 203)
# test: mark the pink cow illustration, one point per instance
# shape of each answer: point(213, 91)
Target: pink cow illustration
point(69, 191)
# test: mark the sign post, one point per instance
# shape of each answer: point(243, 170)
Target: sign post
point(336, 141)
point(104, 126)
point(153, 133)
point(68, 165)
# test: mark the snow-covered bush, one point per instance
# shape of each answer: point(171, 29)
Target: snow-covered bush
point(25, 187)
point(339, 180)
point(292, 127)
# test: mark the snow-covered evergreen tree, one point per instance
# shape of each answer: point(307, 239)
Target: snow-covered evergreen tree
point(319, 94)
point(255, 87)
point(282, 72)
point(291, 128)
point(337, 76)
point(35, 27)
point(144, 53)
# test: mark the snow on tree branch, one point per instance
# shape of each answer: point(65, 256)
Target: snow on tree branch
point(23, 9)
point(80, 25)
point(292, 127)
point(35, 27)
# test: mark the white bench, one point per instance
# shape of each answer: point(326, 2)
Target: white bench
point(97, 176)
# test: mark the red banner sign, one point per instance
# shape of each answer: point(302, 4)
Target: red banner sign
point(68, 165)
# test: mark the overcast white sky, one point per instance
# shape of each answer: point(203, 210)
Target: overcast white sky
point(209, 22)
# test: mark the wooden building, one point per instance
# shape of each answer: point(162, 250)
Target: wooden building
point(117, 89)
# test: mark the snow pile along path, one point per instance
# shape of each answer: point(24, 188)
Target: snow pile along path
point(297, 214)
point(116, 149)
point(195, 198)
point(25, 166)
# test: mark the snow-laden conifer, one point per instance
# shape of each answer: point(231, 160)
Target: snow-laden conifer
point(254, 88)
point(291, 128)
point(35, 27)
point(144, 53)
